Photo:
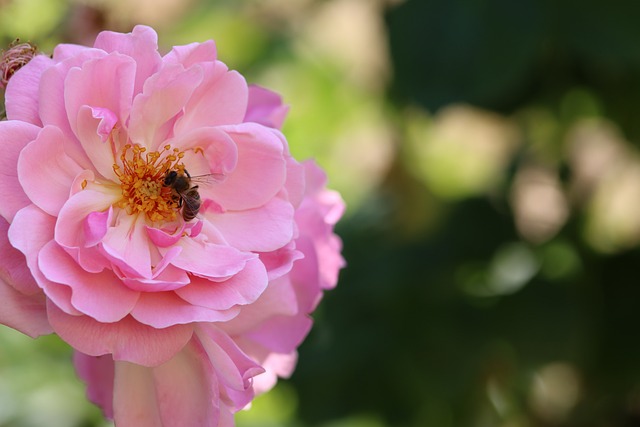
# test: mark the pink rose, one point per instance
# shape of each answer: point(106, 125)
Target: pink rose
point(174, 299)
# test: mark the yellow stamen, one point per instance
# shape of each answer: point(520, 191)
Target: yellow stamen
point(142, 177)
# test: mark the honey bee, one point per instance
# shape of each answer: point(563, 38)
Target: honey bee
point(185, 193)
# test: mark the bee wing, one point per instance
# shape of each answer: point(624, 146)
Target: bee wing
point(192, 202)
point(209, 178)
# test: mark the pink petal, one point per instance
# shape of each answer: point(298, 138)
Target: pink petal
point(163, 309)
point(127, 340)
point(192, 54)
point(70, 226)
point(127, 245)
point(52, 108)
point(240, 289)
point(93, 128)
point(98, 373)
point(221, 99)
point(24, 313)
point(49, 189)
point(169, 279)
point(23, 306)
point(265, 107)
point(235, 369)
point(279, 262)
point(105, 82)
point(164, 96)
point(220, 151)
point(29, 232)
point(282, 334)
point(306, 275)
point(260, 173)
point(141, 44)
point(99, 295)
point(274, 221)
point(65, 51)
point(96, 225)
point(14, 270)
point(21, 96)
point(210, 260)
point(296, 181)
point(14, 136)
point(164, 238)
point(279, 299)
point(181, 392)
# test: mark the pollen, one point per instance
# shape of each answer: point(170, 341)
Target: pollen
point(141, 175)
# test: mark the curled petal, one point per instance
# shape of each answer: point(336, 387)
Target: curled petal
point(141, 44)
point(274, 221)
point(25, 313)
point(240, 289)
point(105, 82)
point(164, 96)
point(260, 172)
point(221, 99)
point(49, 188)
point(235, 369)
point(127, 339)
point(99, 295)
point(14, 270)
point(265, 107)
point(19, 134)
point(128, 247)
point(94, 127)
point(163, 309)
point(70, 226)
point(96, 225)
point(191, 54)
point(210, 260)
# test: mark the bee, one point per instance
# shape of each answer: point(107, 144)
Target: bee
point(185, 193)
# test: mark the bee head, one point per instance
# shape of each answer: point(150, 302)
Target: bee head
point(170, 178)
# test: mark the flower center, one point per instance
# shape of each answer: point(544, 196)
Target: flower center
point(142, 177)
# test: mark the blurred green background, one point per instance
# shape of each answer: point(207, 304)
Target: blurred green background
point(488, 154)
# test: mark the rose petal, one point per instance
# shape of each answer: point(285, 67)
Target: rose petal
point(265, 107)
point(98, 373)
point(105, 82)
point(127, 245)
point(235, 369)
point(25, 313)
point(260, 173)
point(221, 99)
point(93, 128)
point(163, 309)
point(241, 289)
point(14, 136)
point(191, 54)
point(141, 44)
point(127, 340)
point(164, 96)
point(279, 299)
point(274, 221)
point(210, 260)
point(14, 270)
point(29, 232)
point(69, 229)
point(181, 392)
point(22, 94)
point(49, 188)
point(96, 225)
point(99, 295)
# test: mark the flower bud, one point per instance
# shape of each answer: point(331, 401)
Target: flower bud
point(15, 57)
